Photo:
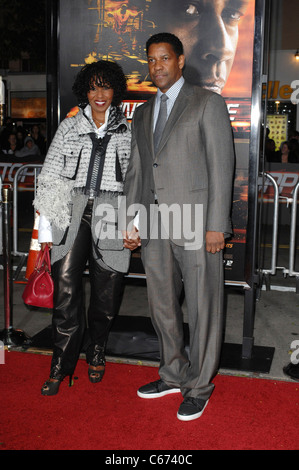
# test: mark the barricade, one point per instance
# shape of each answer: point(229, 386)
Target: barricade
point(266, 272)
point(9, 336)
point(35, 167)
point(291, 271)
point(15, 251)
point(1, 244)
point(273, 268)
point(287, 271)
point(34, 248)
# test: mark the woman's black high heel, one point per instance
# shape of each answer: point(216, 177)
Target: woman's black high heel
point(95, 375)
point(51, 387)
point(96, 362)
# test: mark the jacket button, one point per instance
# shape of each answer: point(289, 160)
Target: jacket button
point(155, 165)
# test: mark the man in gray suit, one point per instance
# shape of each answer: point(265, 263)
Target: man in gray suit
point(189, 171)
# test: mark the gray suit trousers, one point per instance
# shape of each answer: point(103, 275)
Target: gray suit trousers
point(169, 268)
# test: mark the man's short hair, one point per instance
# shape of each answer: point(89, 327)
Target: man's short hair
point(169, 38)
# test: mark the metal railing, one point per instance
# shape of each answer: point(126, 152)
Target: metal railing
point(287, 271)
point(291, 271)
point(1, 243)
point(35, 167)
point(273, 268)
point(267, 272)
point(8, 336)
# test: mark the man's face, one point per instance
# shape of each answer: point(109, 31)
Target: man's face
point(165, 68)
point(208, 30)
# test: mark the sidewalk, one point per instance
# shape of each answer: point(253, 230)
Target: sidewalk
point(276, 319)
point(276, 322)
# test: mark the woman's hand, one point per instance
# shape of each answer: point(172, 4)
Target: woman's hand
point(131, 239)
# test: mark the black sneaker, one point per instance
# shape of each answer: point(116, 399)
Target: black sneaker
point(191, 408)
point(156, 389)
point(292, 370)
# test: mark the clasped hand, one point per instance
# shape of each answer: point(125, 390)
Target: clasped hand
point(131, 239)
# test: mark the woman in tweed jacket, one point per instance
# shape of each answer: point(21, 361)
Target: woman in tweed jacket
point(77, 199)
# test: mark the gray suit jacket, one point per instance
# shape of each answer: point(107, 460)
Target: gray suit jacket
point(194, 164)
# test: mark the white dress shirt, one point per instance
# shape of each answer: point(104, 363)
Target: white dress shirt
point(172, 94)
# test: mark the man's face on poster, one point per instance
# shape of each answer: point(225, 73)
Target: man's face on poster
point(208, 30)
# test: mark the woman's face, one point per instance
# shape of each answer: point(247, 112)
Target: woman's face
point(12, 139)
point(100, 97)
point(285, 148)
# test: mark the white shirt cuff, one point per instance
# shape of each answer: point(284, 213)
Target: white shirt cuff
point(136, 221)
point(44, 230)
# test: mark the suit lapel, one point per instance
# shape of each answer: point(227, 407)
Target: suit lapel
point(148, 117)
point(178, 109)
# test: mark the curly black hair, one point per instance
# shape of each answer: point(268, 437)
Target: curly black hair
point(103, 72)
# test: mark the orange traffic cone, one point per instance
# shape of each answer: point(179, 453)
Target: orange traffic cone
point(34, 248)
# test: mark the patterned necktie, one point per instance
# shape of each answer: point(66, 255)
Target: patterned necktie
point(161, 121)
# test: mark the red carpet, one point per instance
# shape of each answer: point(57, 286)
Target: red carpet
point(242, 414)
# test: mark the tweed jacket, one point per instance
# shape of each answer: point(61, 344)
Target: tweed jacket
point(60, 194)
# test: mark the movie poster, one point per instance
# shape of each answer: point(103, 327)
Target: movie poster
point(218, 41)
point(278, 125)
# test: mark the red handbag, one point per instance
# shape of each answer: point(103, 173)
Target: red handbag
point(40, 286)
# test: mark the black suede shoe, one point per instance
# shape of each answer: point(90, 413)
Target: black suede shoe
point(292, 370)
point(191, 408)
point(156, 389)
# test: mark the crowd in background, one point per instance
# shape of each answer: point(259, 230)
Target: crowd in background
point(20, 143)
point(29, 144)
point(288, 151)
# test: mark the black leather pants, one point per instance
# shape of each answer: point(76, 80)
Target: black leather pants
point(69, 321)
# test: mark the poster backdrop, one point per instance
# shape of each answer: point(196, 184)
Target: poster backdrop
point(217, 36)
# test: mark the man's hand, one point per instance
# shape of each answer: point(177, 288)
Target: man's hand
point(131, 239)
point(214, 242)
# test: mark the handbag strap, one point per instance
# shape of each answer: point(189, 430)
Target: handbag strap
point(47, 258)
point(43, 258)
